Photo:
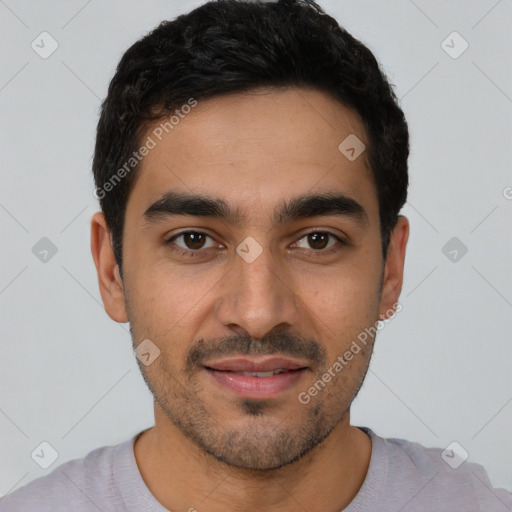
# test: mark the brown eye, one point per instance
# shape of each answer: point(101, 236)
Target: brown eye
point(319, 240)
point(192, 240)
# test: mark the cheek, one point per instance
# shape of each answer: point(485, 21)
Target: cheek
point(340, 295)
point(159, 284)
point(166, 301)
point(341, 303)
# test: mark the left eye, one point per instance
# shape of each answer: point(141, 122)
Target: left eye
point(319, 240)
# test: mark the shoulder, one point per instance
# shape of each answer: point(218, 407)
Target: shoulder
point(83, 482)
point(444, 476)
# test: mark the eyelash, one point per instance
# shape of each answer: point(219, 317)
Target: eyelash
point(192, 254)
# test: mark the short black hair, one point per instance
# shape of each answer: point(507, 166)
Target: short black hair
point(233, 46)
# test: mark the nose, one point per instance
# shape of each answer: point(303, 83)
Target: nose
point(257, 296)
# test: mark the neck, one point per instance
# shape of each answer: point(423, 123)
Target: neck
point(181, 476)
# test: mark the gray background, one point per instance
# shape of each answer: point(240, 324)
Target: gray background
point(441, 368)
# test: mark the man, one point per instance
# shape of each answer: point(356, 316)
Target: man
point(251, 164)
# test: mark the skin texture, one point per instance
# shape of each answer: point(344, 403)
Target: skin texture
point(210, 449)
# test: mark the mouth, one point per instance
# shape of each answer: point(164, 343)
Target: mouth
point(257, 378)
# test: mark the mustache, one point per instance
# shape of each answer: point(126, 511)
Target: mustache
point(274, 343)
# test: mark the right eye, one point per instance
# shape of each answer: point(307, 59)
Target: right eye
point(191, 242)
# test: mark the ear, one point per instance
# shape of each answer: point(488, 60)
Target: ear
point(394, 268)
point(110, 282)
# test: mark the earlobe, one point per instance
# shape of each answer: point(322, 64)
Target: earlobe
point(394, 268)
point(109, 280)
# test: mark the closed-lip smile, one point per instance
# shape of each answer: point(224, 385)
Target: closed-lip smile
point(258, 378)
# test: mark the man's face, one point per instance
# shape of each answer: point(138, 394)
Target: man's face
point(293, 297)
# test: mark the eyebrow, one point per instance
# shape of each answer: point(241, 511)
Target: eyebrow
point(309, 205)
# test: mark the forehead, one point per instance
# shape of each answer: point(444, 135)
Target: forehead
point(257, 148)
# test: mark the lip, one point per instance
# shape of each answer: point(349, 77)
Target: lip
point(244, 364)
point(258, 388)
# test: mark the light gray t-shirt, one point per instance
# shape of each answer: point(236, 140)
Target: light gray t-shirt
point(403, 476)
